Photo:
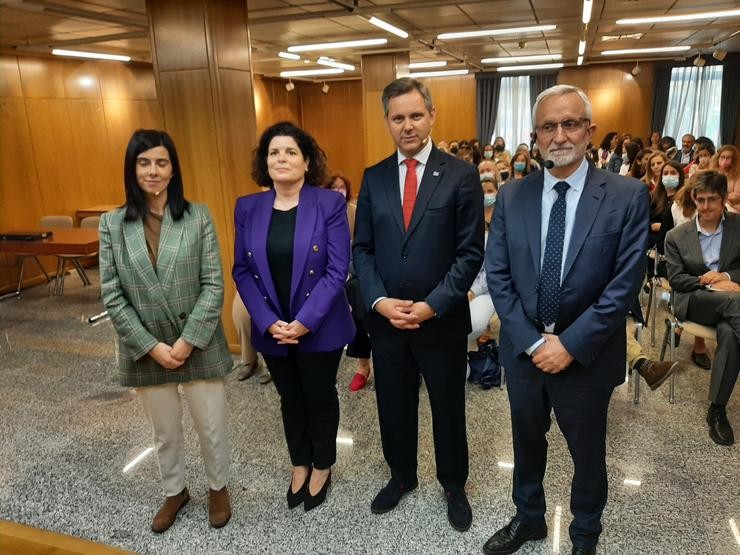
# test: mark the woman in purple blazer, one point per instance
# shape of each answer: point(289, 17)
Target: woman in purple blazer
point(291, 260)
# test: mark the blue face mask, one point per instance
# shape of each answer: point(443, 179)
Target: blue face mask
point(487, 154)
point(489, 199)
point(519, 166)
point(486, 176)
point(670, 181)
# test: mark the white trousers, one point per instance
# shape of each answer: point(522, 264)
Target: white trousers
point(207, 403)
point(481, 312)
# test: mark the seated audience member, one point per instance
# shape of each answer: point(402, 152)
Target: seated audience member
point(655, 372)
point(342, 185)
point(655, 140)
point(702, 161)
point(637, 169)
point(499, 150)
point(726, 162)
point(671, 180)
point(536, 156)
point(668, 145)
point(703, 258)
point(520, 165)
point(659, 205)
point(617, 159)
point(503, 172)
point(488, 152)
point(475, 144)
point(248, 362)
point(466, 153)
point(683, 210)
point(629, 153)
point(655, 163)
point(454, 147)
point(481, 305)
point(685, 155)
point(443, 146)
point(606, 149)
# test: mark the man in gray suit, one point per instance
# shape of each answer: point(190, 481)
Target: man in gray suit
point(703, 258)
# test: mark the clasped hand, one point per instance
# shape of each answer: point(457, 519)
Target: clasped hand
point(287, 334)
point(551, 357)
point(171, 357)
point(719, 281)
point(404, 314)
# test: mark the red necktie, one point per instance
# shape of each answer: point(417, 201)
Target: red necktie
point(409, 191)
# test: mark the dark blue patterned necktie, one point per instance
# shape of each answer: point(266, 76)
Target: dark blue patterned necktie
point(548, 301)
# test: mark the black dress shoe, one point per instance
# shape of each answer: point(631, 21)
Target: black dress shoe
point(390, 495)
point(313, 501)
point(295, 499)
point(719, 428)
point(584, 550)
point(702, 360)
point(512, 536)
point(459, 512)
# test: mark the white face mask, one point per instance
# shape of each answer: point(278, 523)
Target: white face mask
point(486, 176)
point(670, 181)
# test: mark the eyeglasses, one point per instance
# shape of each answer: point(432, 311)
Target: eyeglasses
point(567, 125)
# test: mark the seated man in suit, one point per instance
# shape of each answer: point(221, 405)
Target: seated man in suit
point(703, 258)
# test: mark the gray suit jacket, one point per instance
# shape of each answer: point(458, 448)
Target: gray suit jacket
point(685, 261)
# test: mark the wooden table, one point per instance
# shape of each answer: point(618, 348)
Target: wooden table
point(94, 211)
point(70, 242)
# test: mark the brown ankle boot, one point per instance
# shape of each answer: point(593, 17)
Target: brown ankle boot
point(219, 507)
point(167, 513)
point(655, 372)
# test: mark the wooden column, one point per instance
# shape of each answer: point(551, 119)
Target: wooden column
point(202, 68)
point(377, 71)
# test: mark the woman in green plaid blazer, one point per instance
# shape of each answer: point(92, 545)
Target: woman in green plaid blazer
point(162, 283)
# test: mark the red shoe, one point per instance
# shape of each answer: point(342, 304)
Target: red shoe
point(358, 382)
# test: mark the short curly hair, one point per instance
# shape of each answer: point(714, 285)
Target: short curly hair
point(312, 152)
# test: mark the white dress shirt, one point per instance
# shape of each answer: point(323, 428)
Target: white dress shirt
point(576, 182)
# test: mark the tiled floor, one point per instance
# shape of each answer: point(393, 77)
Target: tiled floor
point(67, 430)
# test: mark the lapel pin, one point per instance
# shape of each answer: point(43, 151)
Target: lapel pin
point(435, 173)
point(315, 248)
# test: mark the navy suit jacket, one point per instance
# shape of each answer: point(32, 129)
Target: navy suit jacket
point(436, 260)
point(321, 251)
point(601, 278)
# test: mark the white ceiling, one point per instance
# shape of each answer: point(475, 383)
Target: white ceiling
point(120, 27)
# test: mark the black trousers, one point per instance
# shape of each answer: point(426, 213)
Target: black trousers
point(720, 309)
point(581, 416)
point(398, 364)
point(306, 382)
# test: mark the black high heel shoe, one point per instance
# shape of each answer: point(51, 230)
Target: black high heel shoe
point(313, 501)
point(295, 499)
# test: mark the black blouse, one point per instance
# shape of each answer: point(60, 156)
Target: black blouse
point(280, 255)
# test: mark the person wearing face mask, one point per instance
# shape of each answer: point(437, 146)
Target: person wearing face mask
point(701, 161)
point(500, 154)
point(520, 165)
point(488, 152)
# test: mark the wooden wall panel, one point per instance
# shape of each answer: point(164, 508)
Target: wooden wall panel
point(10, 78)
point(272, 103)
point(335, 121)
point(454, 101)
point(65, 126)
point(179, 38)
point(621, 102)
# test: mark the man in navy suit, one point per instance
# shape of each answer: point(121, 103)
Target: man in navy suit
point(418, 246)
point(564, 263)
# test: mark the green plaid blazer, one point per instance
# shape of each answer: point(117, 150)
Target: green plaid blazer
point(182, 298)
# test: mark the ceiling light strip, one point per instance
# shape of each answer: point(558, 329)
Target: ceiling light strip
point(683, 17)
point(422, 65)
point(333, 63)
point(496, 32)
point(335, 45)
point(580, 61)
point(310, 72)
point(666, 49)
point(443, 73)
point(388, 27)
point(289, 56)
point(588, 6)
point(91, 55)
point(520, 59)
point(533, 67)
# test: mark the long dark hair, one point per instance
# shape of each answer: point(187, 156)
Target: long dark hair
point(136, 207)
point(311, 151)
point(606, 144)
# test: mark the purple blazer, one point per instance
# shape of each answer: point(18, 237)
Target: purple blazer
point(321, 252)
